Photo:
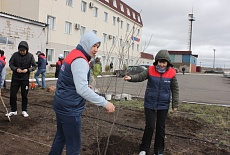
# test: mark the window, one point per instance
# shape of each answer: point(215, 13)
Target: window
point(132, 46)
point(137, 47)
point(69, 2)
point(113, 41)
point(138, 18)
point(68, 27)
point(128, 12)
point(10, 40)
point(50, 54)
point(82, 31)
point(127, 27)
point(112, 59)
point(66, 53)
point(3, 40)
point(83, 6)
point(115, 3)
point(114, 20)
point(106, 16)
point(95, 31)
point(104, 37)
point(7, 40)
point(122, 7)
point(126, 62)
point(138, 32)
point(121, 24)
point(134, 16)
point(127, 44)
point(95, 11)
point(133, 29)
point(121, 43)
point(51, 22)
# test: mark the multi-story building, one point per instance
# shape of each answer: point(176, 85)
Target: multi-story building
point(117, 24)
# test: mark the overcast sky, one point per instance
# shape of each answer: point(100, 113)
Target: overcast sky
point(167, 21)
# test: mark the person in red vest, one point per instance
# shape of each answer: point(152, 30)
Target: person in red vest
point(58, 64)
point(42, 62)
point(162, 82)
point(3, 73)
point(72, 91)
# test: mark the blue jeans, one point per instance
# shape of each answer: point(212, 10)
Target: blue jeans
point(69, 133)
point(3, 76)
point(43, 72)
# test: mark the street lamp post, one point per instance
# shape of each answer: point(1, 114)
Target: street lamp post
point(214, 59)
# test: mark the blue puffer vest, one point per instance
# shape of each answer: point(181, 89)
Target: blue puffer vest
point(158, 91)
point(42, 62)
point(66, 100)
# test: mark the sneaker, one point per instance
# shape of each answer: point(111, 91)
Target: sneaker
point(142, 153)
point(11, 113)
point(25, 114)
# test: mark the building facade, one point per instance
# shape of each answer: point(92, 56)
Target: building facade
point(184, 59)
point(117, 25)
point(14, 29)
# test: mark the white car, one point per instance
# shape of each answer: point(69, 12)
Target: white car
point(226, 74)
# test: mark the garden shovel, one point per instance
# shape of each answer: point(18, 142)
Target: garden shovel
point(4, 106)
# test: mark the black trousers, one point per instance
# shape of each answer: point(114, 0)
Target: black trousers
point(14, 87)
point(153, 117)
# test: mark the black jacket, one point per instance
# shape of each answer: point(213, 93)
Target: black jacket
point(23, 62)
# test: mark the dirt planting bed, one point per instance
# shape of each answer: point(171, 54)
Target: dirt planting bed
point(34, 135)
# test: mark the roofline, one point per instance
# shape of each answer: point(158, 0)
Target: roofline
point(22, 19)
point(118, 10)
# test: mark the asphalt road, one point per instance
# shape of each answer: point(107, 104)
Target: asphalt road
point(201, 88)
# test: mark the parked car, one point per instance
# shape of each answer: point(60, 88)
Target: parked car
point(209, 71)
point(226, 74)
point(146, 66)
point(214, 71)
point(131, 70)
point(119, 73)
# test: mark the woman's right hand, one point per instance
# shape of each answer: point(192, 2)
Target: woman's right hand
point(127, 78)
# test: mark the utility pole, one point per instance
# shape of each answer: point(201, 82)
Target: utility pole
point(191, 19)
point(214, 58)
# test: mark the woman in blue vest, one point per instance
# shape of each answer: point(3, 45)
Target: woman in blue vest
point(161, 83)
point(72, 91)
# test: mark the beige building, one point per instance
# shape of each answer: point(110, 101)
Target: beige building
point(14, 29)
point(116, 23)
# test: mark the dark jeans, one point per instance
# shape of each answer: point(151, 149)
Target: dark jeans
point(69, 133)
point(14, 87)
point(150, 117)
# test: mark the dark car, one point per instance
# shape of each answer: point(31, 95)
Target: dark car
point(131, 70)
point(214, 71)
point(119, 73)
point(146, 66)
point(209, 71)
